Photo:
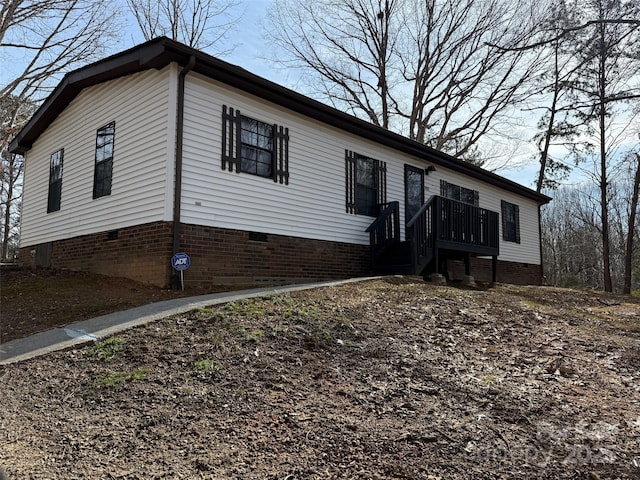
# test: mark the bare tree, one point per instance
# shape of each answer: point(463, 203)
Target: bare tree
point(51, 37)
point(609, 55)
point(369, 55)
point(630, 246)
point(198, 23)
point(572, 230)
point(11, 169)
point(40, 40)
point(348, 46)
point(557, 126)
point(462, 83)
point(10, 203)
point(601, 48)
point(570, 239)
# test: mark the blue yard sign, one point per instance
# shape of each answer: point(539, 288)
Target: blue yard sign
point(180, 261)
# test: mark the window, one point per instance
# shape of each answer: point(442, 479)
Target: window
point(257, 147)
point(461, 194)
point(413, 191)
point(366, 189)
point(55, 181)
point(510, 222)
point(366, 184)
point(254, 147)
point(104, 160)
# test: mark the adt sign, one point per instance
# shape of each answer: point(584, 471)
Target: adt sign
point(180, 261)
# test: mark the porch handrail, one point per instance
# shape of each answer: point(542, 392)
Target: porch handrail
point(384, 231)
point(450, 224)
point(389, 209)
point(465, 224)
point(422, 230)
point(422, 209)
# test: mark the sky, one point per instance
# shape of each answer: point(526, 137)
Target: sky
point(250, 52)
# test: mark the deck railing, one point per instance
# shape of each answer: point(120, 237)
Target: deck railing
point(463, 225)
point(385, 230)
point(420, 230)
point(442, 223)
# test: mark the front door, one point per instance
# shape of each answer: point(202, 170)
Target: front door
point(413, 193)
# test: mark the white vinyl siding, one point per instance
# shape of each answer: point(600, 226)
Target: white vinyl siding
point(312, 205)
point(141, 106)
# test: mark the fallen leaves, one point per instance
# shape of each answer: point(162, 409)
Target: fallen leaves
point(373, 380)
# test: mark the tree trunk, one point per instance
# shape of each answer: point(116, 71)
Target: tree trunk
point(631, 227)
point(604, 208)
point(7, 216)
point(552, 119)
point(383, 16)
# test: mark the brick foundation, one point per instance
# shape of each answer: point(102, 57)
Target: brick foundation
point(141, 253)
point(218, 256)
point(230, 257)
point(245, 258)
point(508, 272)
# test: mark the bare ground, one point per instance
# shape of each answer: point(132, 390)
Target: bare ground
point(36, 300)
point(384, 379)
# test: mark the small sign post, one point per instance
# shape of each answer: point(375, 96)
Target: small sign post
point(180, 262)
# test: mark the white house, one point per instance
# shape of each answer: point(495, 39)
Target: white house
point(163, 149)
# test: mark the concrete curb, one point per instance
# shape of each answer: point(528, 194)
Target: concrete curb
point(97, 328)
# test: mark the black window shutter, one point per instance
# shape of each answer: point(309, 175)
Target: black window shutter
point(503, 215)
point(516, 215)
point(350, 180)
point(381, 179)
point(443, 188)
point(476, 198)
point(55, 193)
point(231, 140)
point(281, 154)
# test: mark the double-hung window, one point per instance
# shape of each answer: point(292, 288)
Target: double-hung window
point(510, 222)
point(254, 147)
point(461, 194)
point(257, 147)
point(55, 181)
point(366, 184)
point(104, 160)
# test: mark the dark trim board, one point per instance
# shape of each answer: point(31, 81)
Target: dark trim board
point(160, 52)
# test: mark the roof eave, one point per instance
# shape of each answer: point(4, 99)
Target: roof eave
point(125, 63)
point(242, 79)
point(160, 52)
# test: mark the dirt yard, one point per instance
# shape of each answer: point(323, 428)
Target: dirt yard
point(388, 379)
point(35, 300)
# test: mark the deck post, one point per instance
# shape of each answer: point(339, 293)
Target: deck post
point(436, 261)
point(468, 280)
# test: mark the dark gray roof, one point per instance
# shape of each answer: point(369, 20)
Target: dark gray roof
point(161, 51)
